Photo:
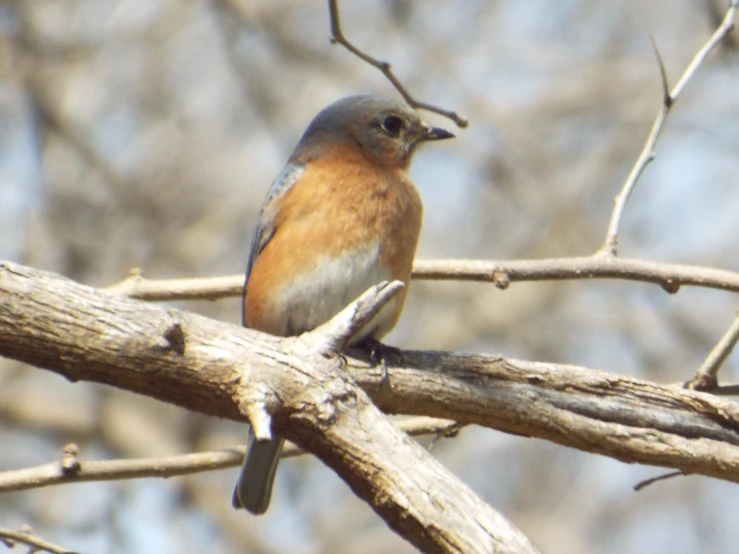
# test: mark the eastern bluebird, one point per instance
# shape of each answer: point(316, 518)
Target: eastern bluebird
point(340, 217)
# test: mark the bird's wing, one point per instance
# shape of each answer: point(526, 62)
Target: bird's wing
point(265, 226)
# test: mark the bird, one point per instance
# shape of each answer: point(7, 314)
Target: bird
point(341, 216)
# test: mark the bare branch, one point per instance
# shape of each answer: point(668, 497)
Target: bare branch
point(726, 390)
point(51, 322)
point(337, 37)
point(724, 28)
point(447, 432)
point(500, 273)
point(163, 290)
point(169, 466)
point(610, 245)
point(82, 334)
point(627, 419)
point(706, 378)
point(10, 538)
point(640, 485)
point(668, 276)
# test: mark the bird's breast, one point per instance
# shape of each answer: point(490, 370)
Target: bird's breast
point(341, 229)
point(315, 295)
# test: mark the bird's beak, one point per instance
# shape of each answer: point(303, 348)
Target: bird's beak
point(435, 133)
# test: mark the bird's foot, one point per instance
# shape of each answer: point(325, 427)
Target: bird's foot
point(379, 353)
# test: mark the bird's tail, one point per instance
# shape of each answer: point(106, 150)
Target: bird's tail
point(254, 487)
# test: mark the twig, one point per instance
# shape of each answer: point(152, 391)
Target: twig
point(162, 290)
point(450, 431)
point(337, 37)
point(706, 378)
point(610, 246)
point(715, 13)
point(331, 337)
point(500, 273)
point(641, 484)
point(169, 466)
point(726, 390)
point(10, 538)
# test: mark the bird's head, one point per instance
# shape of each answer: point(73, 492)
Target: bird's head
point(386, 130)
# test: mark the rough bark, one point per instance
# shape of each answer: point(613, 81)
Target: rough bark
point(226, 371)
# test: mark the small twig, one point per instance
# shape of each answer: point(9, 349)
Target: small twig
point(725, 390)
point(718, 390)
point(500, 273)
point(610, 245)
point(706, 378)
point(641, 484)
point(170, 466)
point(337, 37)
point(10, 538)
point(448, 432)
point(331, 337)
point(162, 290)
point(724, 28)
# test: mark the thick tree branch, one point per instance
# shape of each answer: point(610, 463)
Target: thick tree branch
point(500, 273)
point(624, 418)
point(51, 322)
point(221, 369)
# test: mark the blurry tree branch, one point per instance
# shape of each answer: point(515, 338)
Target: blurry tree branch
point(500, 273)
point(11, 538)
point(52, 118)
point(715, 9)
point(55, 473)
point(610, 246)
point(337, 37)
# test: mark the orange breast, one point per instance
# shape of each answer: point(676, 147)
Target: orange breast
point(342, 227)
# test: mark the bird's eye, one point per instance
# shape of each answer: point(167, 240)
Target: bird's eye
point(392, 125)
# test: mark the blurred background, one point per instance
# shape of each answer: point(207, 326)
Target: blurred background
point(145, 133)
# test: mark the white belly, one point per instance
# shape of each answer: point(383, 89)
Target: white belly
point(316, 296)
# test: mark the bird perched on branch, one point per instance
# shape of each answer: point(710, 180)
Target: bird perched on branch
point(342, 216)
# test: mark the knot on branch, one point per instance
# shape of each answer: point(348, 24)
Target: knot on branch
point(175, 337)
point(172, 338)
point(321, 402)
point(500, 279)
point(670, 286)
point(254, 404)
point(69, 463)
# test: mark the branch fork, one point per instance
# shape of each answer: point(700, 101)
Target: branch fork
point(333, 336)
point(258, 400)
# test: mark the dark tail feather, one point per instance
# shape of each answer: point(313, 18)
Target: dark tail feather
point(254, 487)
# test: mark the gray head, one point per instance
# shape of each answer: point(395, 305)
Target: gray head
point(385, 129)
